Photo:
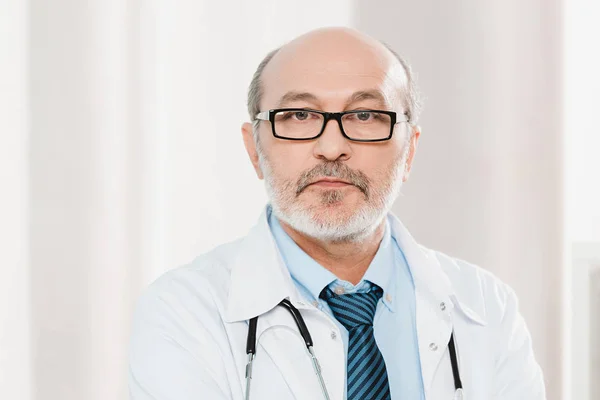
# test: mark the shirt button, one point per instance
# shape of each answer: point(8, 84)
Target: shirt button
point(433, 347)
point(442, 306)
point(388, 297)
point(333, 335)
point(339, 290)
point(315, 303)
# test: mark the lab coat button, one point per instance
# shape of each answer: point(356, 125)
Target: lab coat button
point(443, 306)
point(433, 347)
point(333, 335)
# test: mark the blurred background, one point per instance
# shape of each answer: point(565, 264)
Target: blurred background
point(121, 157)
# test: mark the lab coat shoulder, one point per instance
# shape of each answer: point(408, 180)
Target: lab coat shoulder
point(493, 304)
point(479, 293)
point(178, 339)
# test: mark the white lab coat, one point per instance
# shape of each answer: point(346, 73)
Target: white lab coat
point(189, 331)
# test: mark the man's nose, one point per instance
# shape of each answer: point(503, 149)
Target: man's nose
point(332, 145)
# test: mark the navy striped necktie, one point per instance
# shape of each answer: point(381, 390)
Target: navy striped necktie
point(365, 368)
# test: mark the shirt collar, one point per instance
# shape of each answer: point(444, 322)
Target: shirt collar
point(382, 271)
point(314, 277)
point(303, 268)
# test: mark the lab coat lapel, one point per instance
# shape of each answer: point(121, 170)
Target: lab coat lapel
point(259, 278)
point(433, 334)
point(434, 305)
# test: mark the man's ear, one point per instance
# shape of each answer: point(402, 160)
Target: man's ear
point(413, 142)
point(248, 137)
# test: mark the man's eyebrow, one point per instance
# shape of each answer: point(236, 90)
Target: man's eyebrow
point(367, 95)
point(296, 96)
point(360, 95)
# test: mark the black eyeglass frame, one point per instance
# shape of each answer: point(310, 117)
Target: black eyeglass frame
point(327, 116)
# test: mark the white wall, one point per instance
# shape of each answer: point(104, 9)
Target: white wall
point(582, 197)
point(15, 325)
point(582, 129)
point(84, 160)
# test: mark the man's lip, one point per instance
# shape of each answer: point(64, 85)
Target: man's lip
point(326, 180)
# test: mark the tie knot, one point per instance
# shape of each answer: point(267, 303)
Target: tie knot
point(353, 309)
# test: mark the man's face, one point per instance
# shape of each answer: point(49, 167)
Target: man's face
point(331, 188)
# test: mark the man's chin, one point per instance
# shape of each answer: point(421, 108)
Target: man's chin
point(328, 199)
point(343, 206)
point(337, 213)
point(343, 221)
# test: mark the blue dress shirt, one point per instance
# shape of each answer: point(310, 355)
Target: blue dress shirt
point(394, 324)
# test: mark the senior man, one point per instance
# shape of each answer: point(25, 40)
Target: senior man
point(328, 296)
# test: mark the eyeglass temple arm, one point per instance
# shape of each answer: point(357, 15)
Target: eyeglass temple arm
point(262, 115)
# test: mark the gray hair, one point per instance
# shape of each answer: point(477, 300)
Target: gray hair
point(412, 101)
point(255, 91)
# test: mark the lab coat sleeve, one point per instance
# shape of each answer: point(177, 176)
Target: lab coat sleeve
point(518, 376)
point(171, 356)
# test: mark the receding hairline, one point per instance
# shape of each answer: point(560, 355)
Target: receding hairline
point(411, 98)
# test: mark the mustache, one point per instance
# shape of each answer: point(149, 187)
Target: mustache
point(333, 169)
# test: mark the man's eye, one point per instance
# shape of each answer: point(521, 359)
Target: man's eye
point(301, 115)
point(364, 116)
point(295, 115)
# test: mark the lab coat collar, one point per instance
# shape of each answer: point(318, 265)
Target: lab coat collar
point(429, 276)
point(260, 279)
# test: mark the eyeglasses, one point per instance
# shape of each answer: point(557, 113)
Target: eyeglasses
point(355, 125)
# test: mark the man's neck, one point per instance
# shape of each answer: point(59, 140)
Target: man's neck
point(347, 260)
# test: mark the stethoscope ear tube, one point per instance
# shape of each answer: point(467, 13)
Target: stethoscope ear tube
point(250, 351)
point(454, 362)
point(251, 339)
point(299, 321)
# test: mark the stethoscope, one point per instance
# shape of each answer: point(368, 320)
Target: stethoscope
point(285, 303)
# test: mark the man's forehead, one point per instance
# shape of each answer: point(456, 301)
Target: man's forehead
point(325, 85)
point(334, 66)
point(376, 96)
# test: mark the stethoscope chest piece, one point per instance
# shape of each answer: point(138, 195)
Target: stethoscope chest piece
point(458, 395)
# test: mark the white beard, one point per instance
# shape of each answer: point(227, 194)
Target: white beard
point(355, 228)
